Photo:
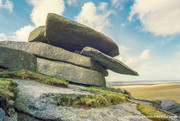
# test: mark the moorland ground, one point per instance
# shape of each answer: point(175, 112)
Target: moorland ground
point(152, 90)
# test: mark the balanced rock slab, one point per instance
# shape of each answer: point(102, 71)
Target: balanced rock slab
point(108, 62)
point(71, 72)
point(12, 58)
point(55, 53)
point(70, 35)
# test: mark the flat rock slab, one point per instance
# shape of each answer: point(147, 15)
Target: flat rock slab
point(70, 35)
point(37, 89)
point(71, 72)
point(55, 53)
point(2, 114)
point(12, 58)
point(170, 105)
point(34, 100)
point(108, 62)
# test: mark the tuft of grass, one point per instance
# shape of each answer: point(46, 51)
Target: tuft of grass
point(32, 76)
point(151, 112)
point(83, 117)
point(113, 97)
point(8, 94)
point(107, 98)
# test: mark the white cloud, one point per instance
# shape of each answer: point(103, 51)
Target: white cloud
point(160, 17)
point(92, 17)
point(133, 61)
point(147, 66)
point(42, 7)
point(23, 33)
point(7, 5)
point(38, 16)
point(123, 25)
point(102, 6)
point(117, 4)
point(178, 54)
point(3, 37)
point(71, 2)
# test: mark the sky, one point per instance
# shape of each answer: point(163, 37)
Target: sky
point(146, 31)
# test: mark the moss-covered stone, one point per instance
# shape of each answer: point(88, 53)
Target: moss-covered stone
point(151, 112)
point(32, 76)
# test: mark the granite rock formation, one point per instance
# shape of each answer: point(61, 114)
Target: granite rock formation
point(59, 46)
point(71, 72)
point(107, 61)
point(53, 53)
point(72, 36)
point(17, 59)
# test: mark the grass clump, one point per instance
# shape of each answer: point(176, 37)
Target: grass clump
point(109, 92)
point(151, 112)
point(107, 98)
point(32, 76)
point(8, 94)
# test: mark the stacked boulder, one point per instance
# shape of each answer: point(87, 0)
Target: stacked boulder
point(72, 51)
point(11, 58)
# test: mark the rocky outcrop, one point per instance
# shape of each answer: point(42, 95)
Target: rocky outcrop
point(2, 114)
point(12, 58)
point(107, 61)
point(4, 117)
point(54, 53)
point(170, 105)
point(72, 36)
point(71, 72)
point(57, 61)
point(39, 102)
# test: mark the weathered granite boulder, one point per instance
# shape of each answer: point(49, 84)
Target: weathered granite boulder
point(71, 72)
point(55, 53)
point(107, 61)
point(38, 35)
point(38, 102)
point(2, 114)
point(170, 105)
point(72, 36)
point(12, 58)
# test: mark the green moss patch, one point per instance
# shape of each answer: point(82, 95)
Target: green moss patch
point(151, 112)
point(32, 76)
point(8, 93)
point(107, 98)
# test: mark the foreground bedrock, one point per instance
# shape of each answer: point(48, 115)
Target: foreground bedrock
point(37, 102)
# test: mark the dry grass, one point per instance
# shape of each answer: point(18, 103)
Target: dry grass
point(94, 101)
point(169, 90)
point(152, 113)
point(8, 93)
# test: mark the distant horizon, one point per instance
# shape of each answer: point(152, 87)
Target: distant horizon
point(141, 80)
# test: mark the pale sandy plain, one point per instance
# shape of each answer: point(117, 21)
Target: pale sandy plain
point(152, 90)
